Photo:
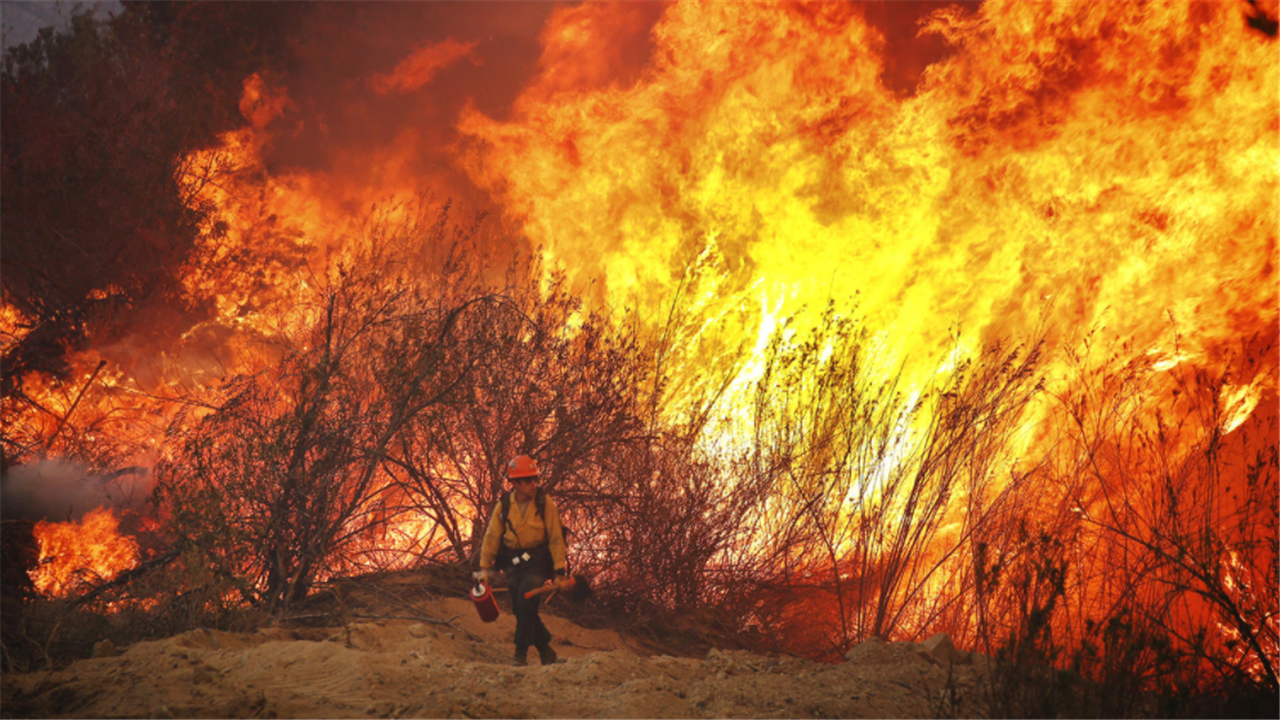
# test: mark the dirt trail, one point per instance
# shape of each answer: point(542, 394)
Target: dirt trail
point(403, 668)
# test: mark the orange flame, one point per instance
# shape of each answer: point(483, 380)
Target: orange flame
point(1116, 160)
point(1075, 156)
point(1088, 154)
point(421, 67)
point(73, 554)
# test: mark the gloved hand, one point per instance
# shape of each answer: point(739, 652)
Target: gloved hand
point(483, 575)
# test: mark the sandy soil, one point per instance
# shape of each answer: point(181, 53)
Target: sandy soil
point(456, 666)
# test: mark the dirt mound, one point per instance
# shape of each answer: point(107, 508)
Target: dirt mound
point(446, 663)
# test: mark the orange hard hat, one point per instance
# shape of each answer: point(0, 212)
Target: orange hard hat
point(521, 466)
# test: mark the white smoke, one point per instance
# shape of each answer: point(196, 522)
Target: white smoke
point(60, 490)
point(20, 22)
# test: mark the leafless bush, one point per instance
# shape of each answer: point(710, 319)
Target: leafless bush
point(591, 396)
point(1179, 492)
point(398, 404)
point(282, 480)
point(1142, 582)
point(553, 381)
point(865, 477)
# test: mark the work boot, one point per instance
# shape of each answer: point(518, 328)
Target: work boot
point(522, 656)
point(547, 655)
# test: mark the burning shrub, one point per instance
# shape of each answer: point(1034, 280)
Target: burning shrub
point(100, 122)
point(551, 380)
point(1177, 493)
point(84, 553)
point(874, 498)
point(283, 479)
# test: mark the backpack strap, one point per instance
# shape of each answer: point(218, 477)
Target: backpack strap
point(506, 512)
point(539, 504)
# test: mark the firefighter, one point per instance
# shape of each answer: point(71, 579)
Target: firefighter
point(525, 541)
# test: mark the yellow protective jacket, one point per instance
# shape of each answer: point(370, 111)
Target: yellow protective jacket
point(529, 531)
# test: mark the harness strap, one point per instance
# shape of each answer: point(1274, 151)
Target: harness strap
point(539, 504)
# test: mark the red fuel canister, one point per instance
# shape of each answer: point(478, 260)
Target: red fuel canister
point(486, 603)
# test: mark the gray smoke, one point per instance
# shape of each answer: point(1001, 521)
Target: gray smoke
point(60, 490)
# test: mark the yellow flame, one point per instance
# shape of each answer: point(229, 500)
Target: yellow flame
point(74, 553)
point(1092, 152)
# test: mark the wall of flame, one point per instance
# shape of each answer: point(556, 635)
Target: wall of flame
point(1115, 161)
point(1088, 166)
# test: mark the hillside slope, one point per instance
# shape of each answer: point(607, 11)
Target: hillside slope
point(449, 664)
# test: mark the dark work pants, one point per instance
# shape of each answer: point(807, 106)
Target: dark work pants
point(520, 580)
